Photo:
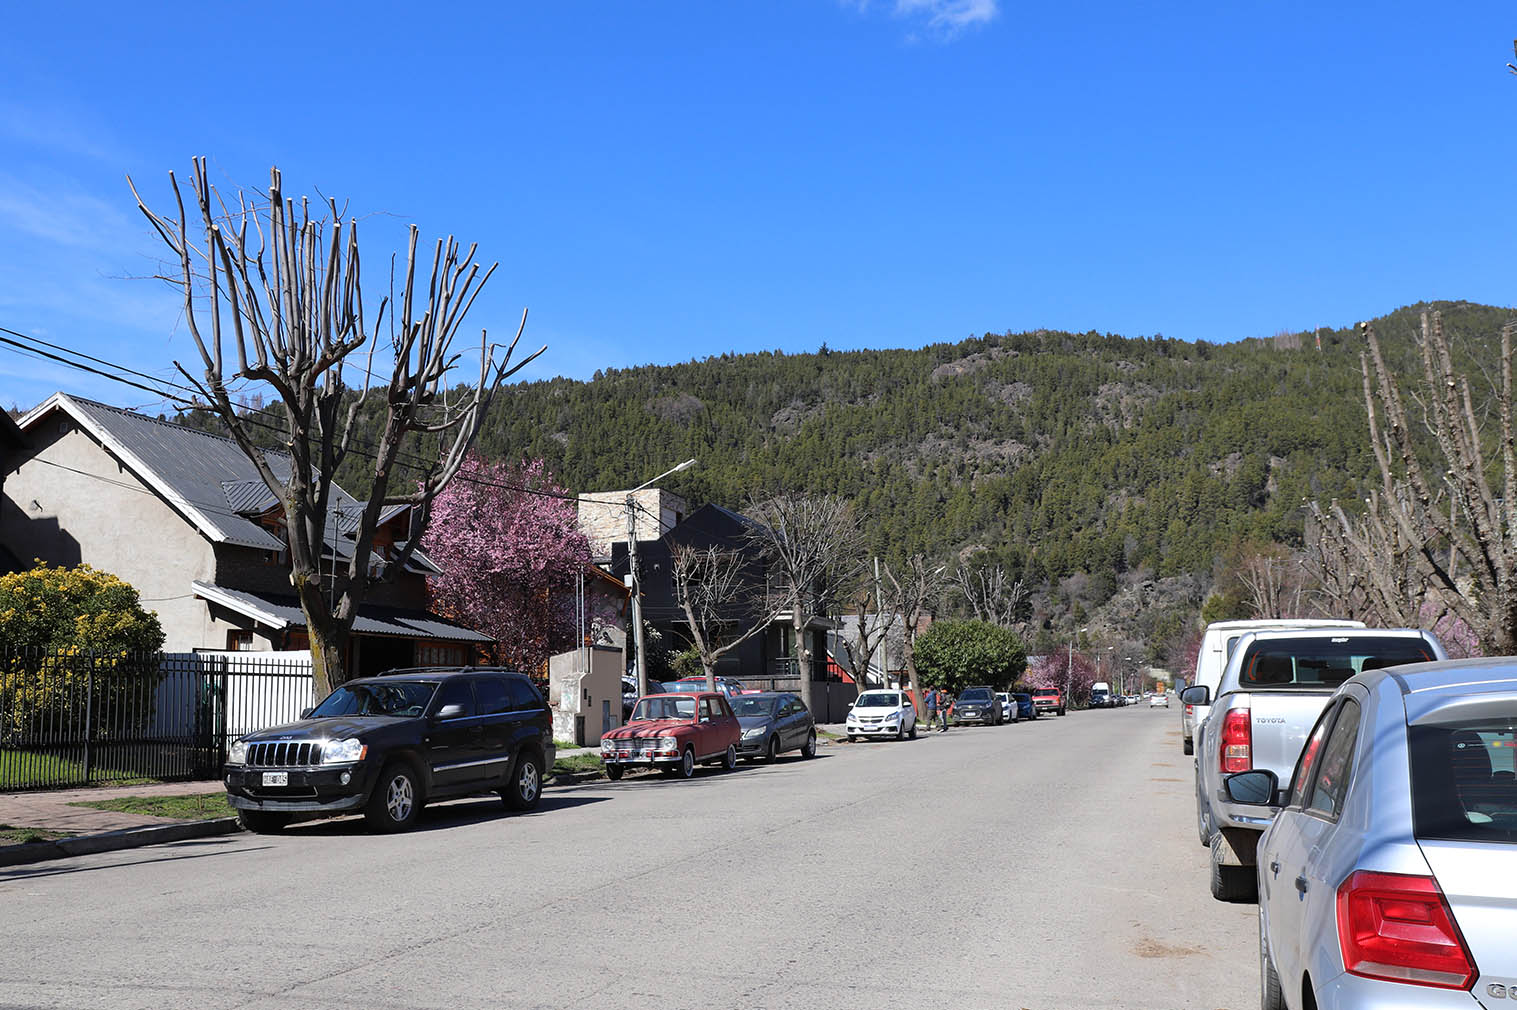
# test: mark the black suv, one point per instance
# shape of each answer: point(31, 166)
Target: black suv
point(977, 704)
point(387, 745)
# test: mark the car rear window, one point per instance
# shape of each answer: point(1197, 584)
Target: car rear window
point(1464, 781)
point(1316, 663)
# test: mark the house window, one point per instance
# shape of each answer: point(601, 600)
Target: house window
point(239, 641)
point(439, 654)
point(787, 641)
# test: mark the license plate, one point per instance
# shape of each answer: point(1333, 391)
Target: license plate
point(276, 778)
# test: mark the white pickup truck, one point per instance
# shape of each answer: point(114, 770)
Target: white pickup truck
point(1275, 685)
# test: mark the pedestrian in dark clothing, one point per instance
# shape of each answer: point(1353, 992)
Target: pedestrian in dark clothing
point(930, 699)
point(945, 702)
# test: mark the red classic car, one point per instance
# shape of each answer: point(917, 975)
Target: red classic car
point(674, 732)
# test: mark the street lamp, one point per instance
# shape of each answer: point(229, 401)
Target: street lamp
point(635, 582)
point(1069, 667)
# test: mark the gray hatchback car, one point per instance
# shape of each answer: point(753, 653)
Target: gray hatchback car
point(773, 722)
point(1388, 878)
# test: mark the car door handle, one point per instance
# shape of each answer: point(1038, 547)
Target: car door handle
point(1274, 867)
point(1301, 884)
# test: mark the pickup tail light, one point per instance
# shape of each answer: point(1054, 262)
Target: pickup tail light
point(1399, 928)
point(1237, 751)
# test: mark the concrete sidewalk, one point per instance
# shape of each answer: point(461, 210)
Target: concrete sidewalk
point(49, 810)
point(89, 830)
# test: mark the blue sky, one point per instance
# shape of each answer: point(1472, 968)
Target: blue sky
point(662, 181)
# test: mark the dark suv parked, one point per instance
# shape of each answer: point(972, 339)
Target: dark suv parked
point(977, 704)
point(388, 745)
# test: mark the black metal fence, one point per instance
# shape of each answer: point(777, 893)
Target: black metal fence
point(80, 718)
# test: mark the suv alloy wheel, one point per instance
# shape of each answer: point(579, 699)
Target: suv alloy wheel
point(396, 800)
point(526, 786)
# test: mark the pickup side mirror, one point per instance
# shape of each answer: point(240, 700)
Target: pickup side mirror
point(1200, 694)
point(1257, 788)
point(449, 712)
point(305, 713)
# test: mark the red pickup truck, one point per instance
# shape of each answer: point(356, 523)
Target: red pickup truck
point(1048, 699)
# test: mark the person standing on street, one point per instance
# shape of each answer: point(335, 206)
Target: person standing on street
point(930, 699)
point(945, 702)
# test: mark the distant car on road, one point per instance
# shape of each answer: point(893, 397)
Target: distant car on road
point(1025, 708)
point(1008, 707)
point(1158, 699)
point(882, 713)
point(1048, 699)
point(389, 745)
point(773, 723)
point(977, 704)
point(630, 694)
point(726, 685)
point(1387, 876)
point(674, 732)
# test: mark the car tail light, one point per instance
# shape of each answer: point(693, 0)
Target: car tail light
point(1237, 741)
point(1399, 928)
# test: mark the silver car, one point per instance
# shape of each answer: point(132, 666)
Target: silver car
point(1388, 878)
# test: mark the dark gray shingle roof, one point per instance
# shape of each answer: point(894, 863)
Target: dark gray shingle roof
point(209, 478)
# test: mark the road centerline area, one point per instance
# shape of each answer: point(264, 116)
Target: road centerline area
point(1035, 865)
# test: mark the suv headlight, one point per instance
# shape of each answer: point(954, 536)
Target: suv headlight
point(238, 754)
point(336, 752)
point(749, 734)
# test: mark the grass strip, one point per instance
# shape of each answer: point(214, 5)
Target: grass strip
point(576, 764)
point(12, 835)
point(183, 807)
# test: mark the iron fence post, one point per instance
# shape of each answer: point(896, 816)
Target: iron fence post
point(89, 720)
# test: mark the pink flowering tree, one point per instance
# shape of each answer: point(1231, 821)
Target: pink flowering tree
point(1054, 670)
point(510, 549)
point(1459, 640)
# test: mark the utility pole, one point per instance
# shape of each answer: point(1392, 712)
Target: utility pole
point(636, 586)
point(634, 581)
point(884, 646)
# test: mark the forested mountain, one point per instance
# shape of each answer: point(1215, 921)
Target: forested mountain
point(1064, 454)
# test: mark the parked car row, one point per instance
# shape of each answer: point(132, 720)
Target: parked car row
point(1363, 789)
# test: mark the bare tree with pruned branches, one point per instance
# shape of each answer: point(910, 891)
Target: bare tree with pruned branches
point(715, 588)
point(812, 542)
point(1443, 535)
point(292, 297)
point(992, 595)
point(913, 595)
point(866, 601)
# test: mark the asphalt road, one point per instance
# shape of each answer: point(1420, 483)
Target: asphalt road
point(1043, 865)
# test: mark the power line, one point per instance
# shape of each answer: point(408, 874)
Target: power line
point(363, 453)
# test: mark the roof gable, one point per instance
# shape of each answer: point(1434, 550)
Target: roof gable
point(206, 477)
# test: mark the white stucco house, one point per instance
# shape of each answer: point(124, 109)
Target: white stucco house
point(184, 517)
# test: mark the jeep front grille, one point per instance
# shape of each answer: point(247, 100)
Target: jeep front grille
point(284, 754)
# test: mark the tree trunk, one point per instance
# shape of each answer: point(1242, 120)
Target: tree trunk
point(909, 653)
point(802, 656)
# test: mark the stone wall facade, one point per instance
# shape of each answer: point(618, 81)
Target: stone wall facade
point(603, 516)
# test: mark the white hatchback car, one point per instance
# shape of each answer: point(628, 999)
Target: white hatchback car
point(1159, 699)
point(1388, 878)
point(882, 713)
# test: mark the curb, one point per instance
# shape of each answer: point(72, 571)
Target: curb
point(110, 841)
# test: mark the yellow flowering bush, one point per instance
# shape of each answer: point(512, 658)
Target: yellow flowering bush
point(57, 627)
